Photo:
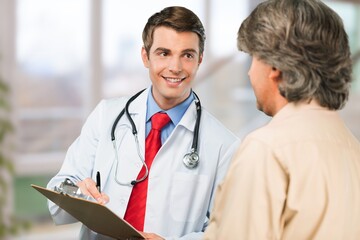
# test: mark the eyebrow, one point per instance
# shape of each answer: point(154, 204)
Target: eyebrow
point(188, 50)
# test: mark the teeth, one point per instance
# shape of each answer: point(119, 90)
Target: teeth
point(174, 80)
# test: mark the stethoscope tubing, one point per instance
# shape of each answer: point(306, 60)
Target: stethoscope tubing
point(197, 123)
point(194, 146)
point(126, 110)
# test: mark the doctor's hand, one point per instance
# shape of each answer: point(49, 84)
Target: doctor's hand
point(88, 187)
point(151, 236)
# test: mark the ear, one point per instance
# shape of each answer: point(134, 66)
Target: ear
point(144, 57)
point(200, 59)
point(275, 75)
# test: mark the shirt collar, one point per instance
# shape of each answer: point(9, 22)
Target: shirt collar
point(175, 113)
point(292, 108)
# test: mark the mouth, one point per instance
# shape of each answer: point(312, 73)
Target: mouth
point(174, 80)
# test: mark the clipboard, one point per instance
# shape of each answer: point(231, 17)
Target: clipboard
point(95, 216)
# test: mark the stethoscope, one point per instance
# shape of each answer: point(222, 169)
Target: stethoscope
point(190, 160)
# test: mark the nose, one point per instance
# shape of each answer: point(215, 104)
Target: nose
point(175, 65)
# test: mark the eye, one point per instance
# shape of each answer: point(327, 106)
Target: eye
point(189, 55)
point(163, 54)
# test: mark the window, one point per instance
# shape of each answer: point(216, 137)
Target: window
point(51, 70)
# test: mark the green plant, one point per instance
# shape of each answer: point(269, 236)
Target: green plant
point(9, 225)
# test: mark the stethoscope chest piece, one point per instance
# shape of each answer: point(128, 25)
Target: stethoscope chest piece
point(191, 160)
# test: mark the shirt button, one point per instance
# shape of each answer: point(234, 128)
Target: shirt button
point(122, 201)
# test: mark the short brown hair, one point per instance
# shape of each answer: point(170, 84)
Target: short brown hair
point(180, 19)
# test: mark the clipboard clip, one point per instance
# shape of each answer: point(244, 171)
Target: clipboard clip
point(67, 187)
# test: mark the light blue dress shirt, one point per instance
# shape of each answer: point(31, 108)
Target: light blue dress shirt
point(175, 114)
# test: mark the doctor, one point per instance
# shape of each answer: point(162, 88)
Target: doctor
point(195, 147)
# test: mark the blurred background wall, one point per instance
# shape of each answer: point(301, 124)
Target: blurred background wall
point(60, 57)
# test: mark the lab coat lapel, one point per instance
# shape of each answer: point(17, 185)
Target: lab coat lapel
point(107, 157)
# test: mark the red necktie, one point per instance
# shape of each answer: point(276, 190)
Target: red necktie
point(135, 212)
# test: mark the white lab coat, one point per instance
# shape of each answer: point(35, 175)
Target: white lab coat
point(179, 198)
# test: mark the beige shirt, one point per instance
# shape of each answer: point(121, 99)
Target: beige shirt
point(296, 178)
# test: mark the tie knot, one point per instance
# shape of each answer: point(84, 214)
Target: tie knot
point(159, 120)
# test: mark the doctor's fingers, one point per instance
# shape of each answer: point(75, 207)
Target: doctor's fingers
point(104, 198)
point(151, 236)
point(88, 187)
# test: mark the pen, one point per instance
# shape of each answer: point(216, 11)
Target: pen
point(98, 183)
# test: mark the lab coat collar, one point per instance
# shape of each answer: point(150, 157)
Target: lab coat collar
point(139, 104)
point(189, 118)
point(137, 110)
point(138, 107)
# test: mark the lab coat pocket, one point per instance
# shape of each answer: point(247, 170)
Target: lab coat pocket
point(189, 196)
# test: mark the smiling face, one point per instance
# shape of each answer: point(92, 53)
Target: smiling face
point(173, 62)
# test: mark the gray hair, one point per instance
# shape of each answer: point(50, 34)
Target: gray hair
point(306, 41)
